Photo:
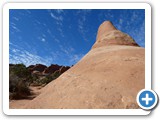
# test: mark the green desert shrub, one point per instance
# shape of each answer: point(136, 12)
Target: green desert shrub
point(18, 89)
point(20, 70)
point(47, 79)
point(19, 78)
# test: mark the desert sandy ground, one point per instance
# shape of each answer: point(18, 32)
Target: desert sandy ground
point(18, 104)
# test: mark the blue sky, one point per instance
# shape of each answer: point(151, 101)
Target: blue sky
point(58, 36)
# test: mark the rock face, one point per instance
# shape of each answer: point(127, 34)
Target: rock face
point(37, 67)
point(40, 69)
point(51, 69)
point(109, 76)
point(63, 69)
point(109, 35)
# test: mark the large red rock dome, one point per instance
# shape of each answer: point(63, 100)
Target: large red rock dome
point(109, 76)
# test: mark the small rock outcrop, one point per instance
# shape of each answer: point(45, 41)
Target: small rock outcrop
point(37, 67)
point(44, 70)
point(51, 69)
point(63, 69)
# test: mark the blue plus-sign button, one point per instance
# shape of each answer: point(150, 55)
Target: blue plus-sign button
point(147, 99)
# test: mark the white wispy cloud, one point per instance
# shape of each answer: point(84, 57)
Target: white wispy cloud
point(15, 28)
point(67, 50)
point(57, 40)
point(82, 22)
point(49, 31)
point(134, 17)
point(59, 18)
point(138, 29)
point(84, 11)
point(12, 23)
point(75, 58)
point(121, 21)
point(27, 11)
point(59, 11)
point(43, 35)
point(108, 14)
point(45, 25)
point(20, 55)
point(37, 22)
point(53, 36)
point(71, 56)
point(60, 31)
point(15, 50)
point(65, 56)
point(139, 34)
point(16, 18)
point(43, 40)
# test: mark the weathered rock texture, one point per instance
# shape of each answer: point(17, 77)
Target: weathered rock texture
point(109, 35)
point(109, 76)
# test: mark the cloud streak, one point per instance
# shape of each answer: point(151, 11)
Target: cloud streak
point(71, 56)
point(75, 58)
point(15, 28)
point(82, 22)
point(59, 11)
point(19, 55)
point(58, 18)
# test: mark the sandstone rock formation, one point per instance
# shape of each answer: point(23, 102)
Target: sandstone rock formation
point(51, 69)
point(40, 69)
point(63, 69)
point(54, 67)
point(109, 76)
point(37, 67)
point(109, 35)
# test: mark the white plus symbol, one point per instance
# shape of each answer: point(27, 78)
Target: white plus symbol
point(147, 99)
